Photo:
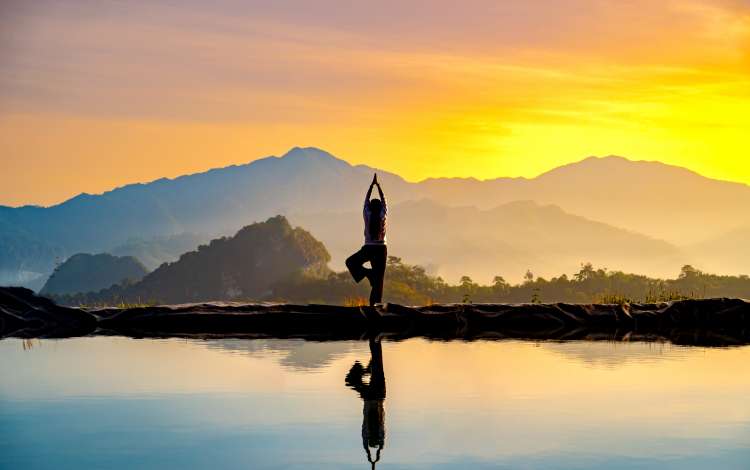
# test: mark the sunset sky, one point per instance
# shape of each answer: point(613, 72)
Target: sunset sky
point(97, 94)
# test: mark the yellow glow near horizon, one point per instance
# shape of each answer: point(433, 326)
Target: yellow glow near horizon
point(667, 82)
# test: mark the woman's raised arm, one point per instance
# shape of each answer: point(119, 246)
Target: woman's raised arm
point(382, 196)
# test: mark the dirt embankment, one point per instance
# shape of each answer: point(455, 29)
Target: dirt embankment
point(714, 322)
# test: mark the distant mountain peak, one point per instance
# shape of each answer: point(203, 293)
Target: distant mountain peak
point(81, 196)
point(311, 156)
point(309, 152)
point(603, 160)
point(609, 163)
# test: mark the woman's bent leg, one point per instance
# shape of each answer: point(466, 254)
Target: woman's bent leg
point(355, 265)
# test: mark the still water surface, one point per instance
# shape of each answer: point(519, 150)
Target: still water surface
point(116, 403)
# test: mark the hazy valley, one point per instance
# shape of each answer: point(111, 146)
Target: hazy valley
point(641, 217)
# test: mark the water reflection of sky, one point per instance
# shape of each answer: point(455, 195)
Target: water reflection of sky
point(124, 403)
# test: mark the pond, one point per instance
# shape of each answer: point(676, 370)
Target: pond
point(117, 403)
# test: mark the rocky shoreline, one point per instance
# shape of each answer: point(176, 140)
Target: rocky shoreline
point(708, 322)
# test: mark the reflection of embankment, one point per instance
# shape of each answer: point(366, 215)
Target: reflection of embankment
point(717, 322)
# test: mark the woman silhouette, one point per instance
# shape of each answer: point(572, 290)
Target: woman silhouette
point(374, 249)
point(372, 393)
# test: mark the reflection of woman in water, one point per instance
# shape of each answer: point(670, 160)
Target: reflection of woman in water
point(374, 249)
point(373, 396)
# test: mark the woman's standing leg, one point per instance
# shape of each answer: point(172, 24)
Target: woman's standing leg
point(377, 259)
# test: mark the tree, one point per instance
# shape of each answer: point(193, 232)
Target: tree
point(587, 272)
point(467, 283)
point(499, 284)
point(689, 272)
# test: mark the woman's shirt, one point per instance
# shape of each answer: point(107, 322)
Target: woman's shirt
point(379, 238)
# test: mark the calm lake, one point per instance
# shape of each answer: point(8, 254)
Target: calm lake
point(116, 403)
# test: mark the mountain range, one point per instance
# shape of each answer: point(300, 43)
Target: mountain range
point(507, 240)
point(659, 200)
point(645, 216)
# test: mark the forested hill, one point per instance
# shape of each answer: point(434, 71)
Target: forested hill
point(85, 273)
point(241, 267)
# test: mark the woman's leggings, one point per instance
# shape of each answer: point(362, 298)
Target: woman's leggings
point(376, 255)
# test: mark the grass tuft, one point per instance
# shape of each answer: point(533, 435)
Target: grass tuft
point(356, 302)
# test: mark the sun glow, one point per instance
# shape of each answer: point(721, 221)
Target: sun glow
point(498, 90)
